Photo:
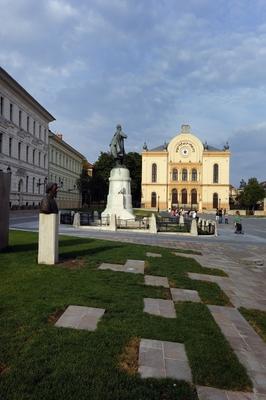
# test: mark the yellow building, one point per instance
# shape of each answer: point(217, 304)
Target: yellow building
point(185, 173)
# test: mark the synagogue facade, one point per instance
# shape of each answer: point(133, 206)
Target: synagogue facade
point(185, 173)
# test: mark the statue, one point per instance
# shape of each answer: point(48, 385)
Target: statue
point(48, 204)
point(117, 145)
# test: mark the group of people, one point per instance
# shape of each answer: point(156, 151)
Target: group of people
point(221, 214)
point(175, 212)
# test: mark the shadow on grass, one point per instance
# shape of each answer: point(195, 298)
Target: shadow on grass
point(34, 245)
point(86, 252)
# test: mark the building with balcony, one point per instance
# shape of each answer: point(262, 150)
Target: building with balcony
point(24, 126)
point(185, 173)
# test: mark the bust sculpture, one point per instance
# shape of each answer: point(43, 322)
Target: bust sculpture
point(48, 204)
point(117, 145)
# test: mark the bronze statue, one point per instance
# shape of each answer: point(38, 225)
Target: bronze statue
point(48, 204)
point(117, 145)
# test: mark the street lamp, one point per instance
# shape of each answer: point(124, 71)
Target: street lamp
point(44, 182)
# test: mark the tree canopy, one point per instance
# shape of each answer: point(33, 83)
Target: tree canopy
point(97, 186)
point(251, 194)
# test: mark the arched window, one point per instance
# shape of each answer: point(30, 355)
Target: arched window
point(154, 173)
point(215, 173)
point(194, 175)
point(215, 200)
point(184, 196)
point(174, 196)
point(175, 174)
point(184, 174)
point(194, 197)
point(153, 199)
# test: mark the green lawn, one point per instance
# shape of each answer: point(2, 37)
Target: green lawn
point(40, 361)
point(257, 319)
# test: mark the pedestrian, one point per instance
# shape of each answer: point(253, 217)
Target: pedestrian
point(217, 215)
point(238, 223)
point(226, 217)
point(220, 214)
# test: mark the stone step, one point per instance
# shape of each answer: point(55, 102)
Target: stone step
point(159, 307)
point(80, 317)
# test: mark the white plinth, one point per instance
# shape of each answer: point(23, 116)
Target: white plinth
point(48, 239)
point(119, 200)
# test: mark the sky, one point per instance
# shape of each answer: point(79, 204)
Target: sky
point(149, 65)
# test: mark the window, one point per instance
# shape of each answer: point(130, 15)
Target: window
point(33, 156)
point(34, 127)
point(215, 200)
point(27, 184)
point(11, 112)
point(175, 174)
point(174, 196)
point(20, 186)
point(44, 161)
point(27, 153)
point(39, 186)
point(40, 131)
point(33, 185)
point(1, 142)
point(194, 197)
point(28, 123)
point(19, 150)
point(194, 175)
point(154, 173)
point(153, 199)
point(39, 159)
point(184, 175)
point(19, 118)
point(52, 156)
point(1, 105)
point(10, 147)
point(184, 196)
point(56, 157)
point(215, 173)
point(45, 135)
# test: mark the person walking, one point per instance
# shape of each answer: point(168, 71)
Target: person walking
point(238, 223)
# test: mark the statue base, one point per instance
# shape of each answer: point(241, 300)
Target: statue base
point(48, 239)
point(119, 200)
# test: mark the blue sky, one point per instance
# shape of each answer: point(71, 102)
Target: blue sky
point(150, 65)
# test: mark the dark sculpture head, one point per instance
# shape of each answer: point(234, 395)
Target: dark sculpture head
point(51, 189)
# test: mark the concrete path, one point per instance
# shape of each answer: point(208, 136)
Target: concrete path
point(160, 308)
point(246, 343)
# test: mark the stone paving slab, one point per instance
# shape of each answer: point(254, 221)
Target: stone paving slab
point(79, 317)
point(135, 266)
point(209, 393)
point(132, 266)
point(153, 254)
point(161, 359)
point(159, 307)
point(246, 343)
point(152, 280)
point(185, 295)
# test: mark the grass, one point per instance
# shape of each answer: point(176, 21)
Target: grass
point(40, 361)
point(257, 319)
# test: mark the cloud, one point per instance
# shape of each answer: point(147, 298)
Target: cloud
point(60, 9)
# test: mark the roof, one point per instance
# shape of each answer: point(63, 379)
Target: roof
point(23, 92)
point(163, 147)
point(65, 144)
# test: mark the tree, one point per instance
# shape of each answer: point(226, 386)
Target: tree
point(99, 184)
point(83, 184)
point(251, 194)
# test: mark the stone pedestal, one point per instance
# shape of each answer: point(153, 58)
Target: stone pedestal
point(119, 200)
point(48, 239)
point(5, 179)
point(194, 228)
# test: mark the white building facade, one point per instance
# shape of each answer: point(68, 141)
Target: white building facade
point(24, 127)
point(65, 166)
